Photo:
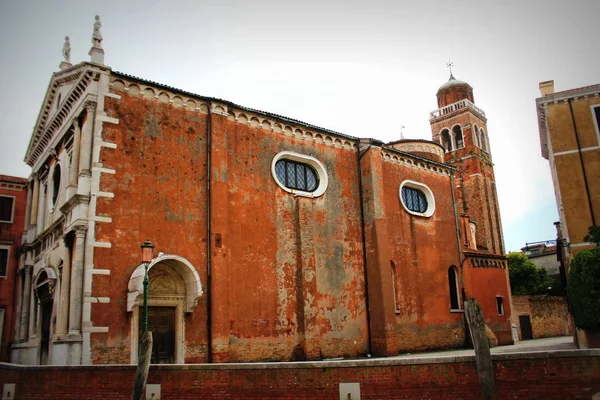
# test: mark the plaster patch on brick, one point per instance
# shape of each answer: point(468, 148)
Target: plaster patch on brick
point(92, 299)
point(95, 329)
point(98, 218)
point(109, 120)
point(98, 271)
point(104, 170)
point(108, 145)
point(111, 95)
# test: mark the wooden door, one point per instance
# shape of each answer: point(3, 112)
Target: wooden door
point(161, 322)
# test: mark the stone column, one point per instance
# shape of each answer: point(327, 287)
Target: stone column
point(453, 140)
point(65, 288)
point(76, 292)
point(74, 169)
point(25, 303)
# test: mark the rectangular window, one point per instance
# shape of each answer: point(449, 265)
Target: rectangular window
point(500, 305)
point(1, 325)
point(3, 262)
point(6, 208)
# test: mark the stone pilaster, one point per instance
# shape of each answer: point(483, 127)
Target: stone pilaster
point(74, 168)
point(85, 155)
point(65, 289)
point(25, 303)
point(76, 292)
point(41, 210)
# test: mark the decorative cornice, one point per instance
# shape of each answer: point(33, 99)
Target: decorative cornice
point(45, 128)
point(180, 98)
point(75, 200)
point(479, 260)
point(414, 161)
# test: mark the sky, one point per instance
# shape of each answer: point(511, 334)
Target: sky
point(363, 68)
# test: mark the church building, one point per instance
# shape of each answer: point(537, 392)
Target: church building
point(273, 239)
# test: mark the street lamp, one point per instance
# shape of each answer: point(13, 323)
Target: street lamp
point(147, 250)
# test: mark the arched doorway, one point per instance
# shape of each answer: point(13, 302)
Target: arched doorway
point(44, 294)
point(173, 289)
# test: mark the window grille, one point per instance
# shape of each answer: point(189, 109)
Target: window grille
point(414, 199)
point(295, 175)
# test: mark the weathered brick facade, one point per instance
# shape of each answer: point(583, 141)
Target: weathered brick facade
point(13, 201)
point(246, 268)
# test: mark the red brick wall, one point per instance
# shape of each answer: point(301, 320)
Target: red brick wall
point(422, 249)
point(547, 376)
point(10, 234)
point(485, 284)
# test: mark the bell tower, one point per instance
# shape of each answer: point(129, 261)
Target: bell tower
point(460, 126)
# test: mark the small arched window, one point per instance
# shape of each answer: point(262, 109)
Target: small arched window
point(296, 175)
point(446, 140)
point(453, 288)
point(458, 137)
point(55, 184)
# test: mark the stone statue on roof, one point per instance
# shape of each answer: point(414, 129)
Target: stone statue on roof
point(66, 50)
point(97, 36)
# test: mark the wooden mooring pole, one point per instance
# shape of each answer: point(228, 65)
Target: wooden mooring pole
point(141, 373)
point(483, 357)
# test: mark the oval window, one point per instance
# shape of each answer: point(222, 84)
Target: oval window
point(299, 174)
point(417, 198)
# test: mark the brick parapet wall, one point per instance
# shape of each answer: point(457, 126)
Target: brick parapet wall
point(573, 374)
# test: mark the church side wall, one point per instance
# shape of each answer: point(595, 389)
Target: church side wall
point(294, 264)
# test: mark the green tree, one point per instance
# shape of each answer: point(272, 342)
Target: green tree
point(593, 235)
point(584, 284)
point(525, 277)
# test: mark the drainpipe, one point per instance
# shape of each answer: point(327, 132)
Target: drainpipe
point(364, 240)
point(456, 225)
point(587, 188)
point(208, 236)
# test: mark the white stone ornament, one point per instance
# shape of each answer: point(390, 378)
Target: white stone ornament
point(97, 36)
point(66, 51)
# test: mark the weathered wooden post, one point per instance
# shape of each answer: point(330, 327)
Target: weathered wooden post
point(483, 357)
point(141, 373)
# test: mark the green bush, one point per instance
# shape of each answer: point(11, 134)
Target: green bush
point(584, 288)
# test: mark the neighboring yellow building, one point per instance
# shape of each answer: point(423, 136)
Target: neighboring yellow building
point(569, 124)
